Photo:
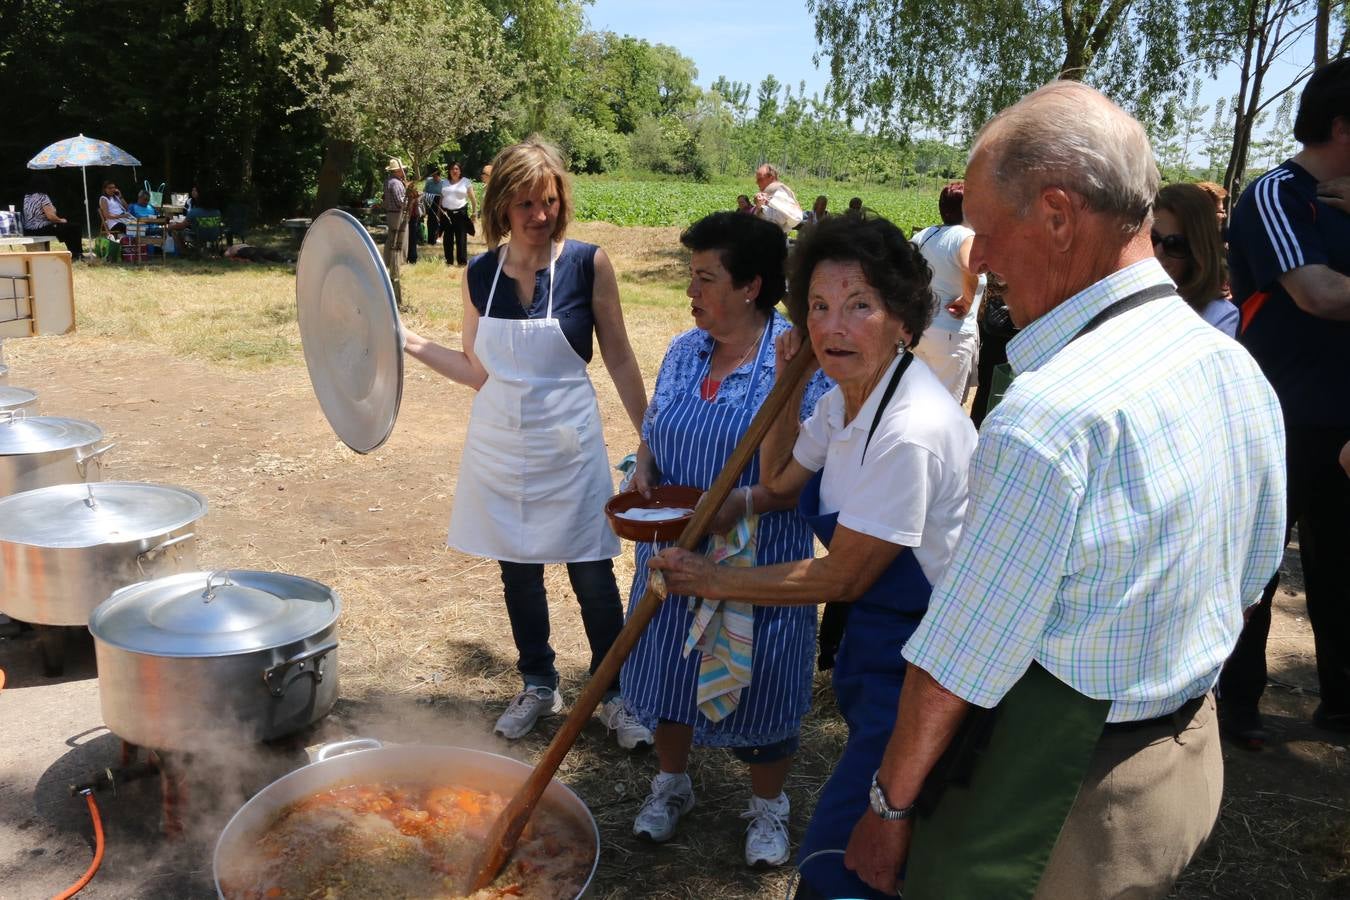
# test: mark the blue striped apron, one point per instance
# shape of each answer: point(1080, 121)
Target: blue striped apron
point(691, 440)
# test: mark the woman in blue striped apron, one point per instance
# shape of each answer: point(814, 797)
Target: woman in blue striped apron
point(712, 381)
point(879, 474)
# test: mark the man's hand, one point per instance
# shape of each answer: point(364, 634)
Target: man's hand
point(688, 573)
point(761, 198)
point(958, 308)
point(1335, 192)
point(877, 849)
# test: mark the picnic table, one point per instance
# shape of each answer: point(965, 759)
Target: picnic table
point(29, 242)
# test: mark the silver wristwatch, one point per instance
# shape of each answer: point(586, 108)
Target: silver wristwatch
point(876, 798)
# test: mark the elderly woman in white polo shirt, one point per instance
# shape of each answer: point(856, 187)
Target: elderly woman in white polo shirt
point(879, 473)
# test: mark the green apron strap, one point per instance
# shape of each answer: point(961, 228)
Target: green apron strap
point(998, 385)
point(992, 836)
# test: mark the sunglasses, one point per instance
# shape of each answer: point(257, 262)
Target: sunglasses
point(1173, 245)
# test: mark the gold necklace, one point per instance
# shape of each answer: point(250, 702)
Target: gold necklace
point(748, 350)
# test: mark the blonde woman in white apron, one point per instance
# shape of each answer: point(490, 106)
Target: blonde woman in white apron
point(534, 477)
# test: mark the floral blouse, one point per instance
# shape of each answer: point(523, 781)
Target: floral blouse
point(686, 362)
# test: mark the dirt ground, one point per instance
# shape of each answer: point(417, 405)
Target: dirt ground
point(425, 651)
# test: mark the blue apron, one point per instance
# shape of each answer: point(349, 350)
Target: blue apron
point(691, 440)
point(868, 674)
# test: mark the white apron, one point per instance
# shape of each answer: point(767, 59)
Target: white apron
point(534, 476)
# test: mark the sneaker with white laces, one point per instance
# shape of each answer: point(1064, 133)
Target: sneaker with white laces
point(672, 796)
point(525, 709)
point(766, 838)
point(631, 733)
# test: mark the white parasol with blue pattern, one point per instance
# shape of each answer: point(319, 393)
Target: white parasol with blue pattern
point(83, 151)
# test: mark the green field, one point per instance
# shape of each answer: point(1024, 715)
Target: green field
point(649, 201)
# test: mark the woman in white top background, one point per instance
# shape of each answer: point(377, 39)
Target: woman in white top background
point(951, 343)
point(458, 208)
point(113, 210)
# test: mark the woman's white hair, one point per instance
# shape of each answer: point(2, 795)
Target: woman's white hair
point(1071, 136)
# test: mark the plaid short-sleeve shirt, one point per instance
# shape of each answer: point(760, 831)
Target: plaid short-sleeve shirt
point(1127, 501)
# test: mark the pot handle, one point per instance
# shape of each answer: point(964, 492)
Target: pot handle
point(9, 415)
point(278, 677)
point(82, 459)
point(338, 748)
point(149, 555)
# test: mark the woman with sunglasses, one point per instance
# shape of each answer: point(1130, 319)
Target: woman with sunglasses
point(1187, 242)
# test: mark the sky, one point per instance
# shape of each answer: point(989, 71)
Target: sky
point(748, 39)
point(741, 39)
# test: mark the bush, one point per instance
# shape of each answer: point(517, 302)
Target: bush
point(592, 150)
point(669, 147)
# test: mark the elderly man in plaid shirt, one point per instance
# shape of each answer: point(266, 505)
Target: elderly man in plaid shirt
point(1056, 734)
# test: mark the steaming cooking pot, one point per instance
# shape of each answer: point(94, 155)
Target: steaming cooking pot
point(192, 659)
point(12, 398)
point(366, 761)
point(37, 451)
point(65, 548)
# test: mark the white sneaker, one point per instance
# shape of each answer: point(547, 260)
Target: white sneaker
point(766, 839)
point(525, 709)
point(631, 733)
point(672, 796)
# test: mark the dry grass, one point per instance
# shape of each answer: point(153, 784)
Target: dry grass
point(424, 628)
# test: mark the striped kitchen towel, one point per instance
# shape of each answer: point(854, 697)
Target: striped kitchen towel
point(723, 630)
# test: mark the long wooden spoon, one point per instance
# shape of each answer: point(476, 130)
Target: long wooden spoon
point(501, 842)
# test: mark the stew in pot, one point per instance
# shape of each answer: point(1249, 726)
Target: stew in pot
point(406, 840)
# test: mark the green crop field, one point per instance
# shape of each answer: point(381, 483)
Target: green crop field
point(650, 201)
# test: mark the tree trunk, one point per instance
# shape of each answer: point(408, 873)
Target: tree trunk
point(1321, 34)
point(337, 159)
point(1253, 74)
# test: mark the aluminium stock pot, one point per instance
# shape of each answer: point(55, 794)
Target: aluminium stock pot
point(12, 398)
point(372, 852)
point(65, 548)
point(37, 451)
point(202, 658)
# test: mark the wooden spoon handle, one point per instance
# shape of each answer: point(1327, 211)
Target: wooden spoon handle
point(509, 825)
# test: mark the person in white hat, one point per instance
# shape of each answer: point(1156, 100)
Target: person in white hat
point(395, 192)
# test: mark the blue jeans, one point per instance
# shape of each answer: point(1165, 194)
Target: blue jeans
point(527, 607)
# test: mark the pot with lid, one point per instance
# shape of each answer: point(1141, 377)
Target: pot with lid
point(65, 548)
point(12, 398)
point(37, 451)
point(192, 659)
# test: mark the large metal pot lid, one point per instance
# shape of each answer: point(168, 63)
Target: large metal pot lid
point(15, 398)
point(20, 433)
point(214, 613)
point(67, 516)
point(349, 329)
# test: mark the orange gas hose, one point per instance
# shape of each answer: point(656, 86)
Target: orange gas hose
point(98, 852)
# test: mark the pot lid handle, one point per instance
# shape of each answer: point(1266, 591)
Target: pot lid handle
point(89, 500)
point(211, 584)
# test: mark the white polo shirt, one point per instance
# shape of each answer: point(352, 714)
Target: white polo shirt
point(910, 488)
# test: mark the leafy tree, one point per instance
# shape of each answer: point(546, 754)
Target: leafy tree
point(1218, 141)
point(943, 61)
point(407, 81)
point(675, 74)
point(767, 96)
point(737, 97)
point(541, 34)
point(1256, 32)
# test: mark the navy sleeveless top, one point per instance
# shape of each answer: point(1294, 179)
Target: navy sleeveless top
point(573, 284)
